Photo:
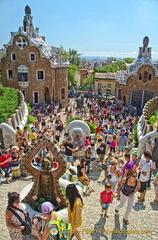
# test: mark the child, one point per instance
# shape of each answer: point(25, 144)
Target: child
point(113, 144)
point(106, 198)
point(92, 156)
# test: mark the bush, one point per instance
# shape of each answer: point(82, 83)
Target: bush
point(92, 126)
point(153, 118)
point(72, 119)
point(135, 137)
point(9, 101)
point(28, 107)
point(30, 120)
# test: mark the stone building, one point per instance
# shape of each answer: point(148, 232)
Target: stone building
point(139, 82)
point(105, 82)
point(32, 66)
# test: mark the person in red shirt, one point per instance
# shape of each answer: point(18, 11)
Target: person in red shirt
point(106, 198)
point(5, 158)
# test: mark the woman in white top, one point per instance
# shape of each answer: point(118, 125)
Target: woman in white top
point(113, 174)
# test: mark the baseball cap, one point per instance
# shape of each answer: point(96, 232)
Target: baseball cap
point(149, 137)
point(47, 207)
point(134, 153)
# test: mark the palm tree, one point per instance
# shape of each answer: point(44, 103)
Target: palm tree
point(74, 58)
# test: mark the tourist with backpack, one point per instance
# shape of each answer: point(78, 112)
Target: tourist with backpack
point(74, 208)
point(56, 228)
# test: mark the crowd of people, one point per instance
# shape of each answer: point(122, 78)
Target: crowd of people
point(111, 151)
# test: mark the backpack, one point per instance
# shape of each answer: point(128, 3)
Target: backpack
point(62, 228)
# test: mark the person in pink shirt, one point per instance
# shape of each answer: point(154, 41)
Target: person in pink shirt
point(113, 144)
point(87, 142)
point(106, 198)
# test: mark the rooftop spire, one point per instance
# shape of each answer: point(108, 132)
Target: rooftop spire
point(27, 10)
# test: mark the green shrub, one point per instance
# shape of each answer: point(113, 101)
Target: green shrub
point(153, 118)
point(92, 126)
point(28, 107)
point(135, 137)
point(9, 101)
point(30, 119)
point(72, 119)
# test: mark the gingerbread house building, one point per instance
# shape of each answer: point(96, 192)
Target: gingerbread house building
point(139, 83)
point(32, 66)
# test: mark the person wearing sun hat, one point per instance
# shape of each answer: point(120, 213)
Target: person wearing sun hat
point(47, 210)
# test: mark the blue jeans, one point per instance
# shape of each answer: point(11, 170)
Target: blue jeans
point(6, 170)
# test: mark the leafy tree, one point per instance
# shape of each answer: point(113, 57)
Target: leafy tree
point(63, 52)
point(72, 70)
point(129, 60)
point(74, 57)
point(113, 67)
point(88, 81)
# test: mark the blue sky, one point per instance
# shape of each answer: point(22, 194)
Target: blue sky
point(92, 27)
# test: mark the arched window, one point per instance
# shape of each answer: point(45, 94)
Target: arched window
point(62, 93)
point(145, 78)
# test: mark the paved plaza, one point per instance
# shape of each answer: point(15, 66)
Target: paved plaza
point(143, 217)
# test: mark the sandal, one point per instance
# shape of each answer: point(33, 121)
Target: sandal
point(126, 221)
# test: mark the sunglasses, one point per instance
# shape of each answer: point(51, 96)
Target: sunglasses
point(134, 176)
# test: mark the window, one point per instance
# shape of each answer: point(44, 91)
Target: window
point(13, 57)
point(62, 93)
point(99, 86)
point(150, 77)
point(119, 94)
point(140, 76)
point(9, 74)
point(145, 77)
point(35, 97)
point(22, 73)
point(109, 86)
point(40, 75)
point(32, 57)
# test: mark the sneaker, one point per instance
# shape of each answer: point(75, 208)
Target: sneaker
point(116, 211)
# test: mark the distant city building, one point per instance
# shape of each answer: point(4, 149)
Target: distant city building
point(139, 82)
point(32, 66)
point(105, 82)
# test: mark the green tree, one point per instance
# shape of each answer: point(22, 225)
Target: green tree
point(113, 67)
point(88, 81)
point(74, 57)
point(72, 70)
point(63, 52)
point(129, 60)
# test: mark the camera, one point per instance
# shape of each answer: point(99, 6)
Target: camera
point(109, 176)
point(35, 216)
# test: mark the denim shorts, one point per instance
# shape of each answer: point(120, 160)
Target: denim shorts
point(92, 159)
point(105, 206)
